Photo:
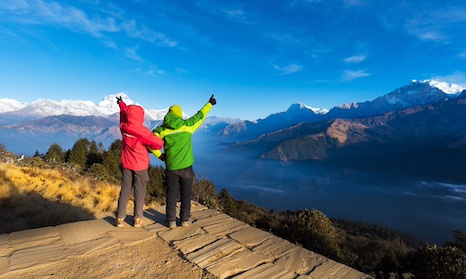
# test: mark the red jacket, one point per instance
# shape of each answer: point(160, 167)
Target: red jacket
point(136, 138)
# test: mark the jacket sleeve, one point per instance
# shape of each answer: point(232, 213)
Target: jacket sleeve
point(144, 136)
point(196, 120)
point(157, 152)
point(153, 143)
point(122, 106)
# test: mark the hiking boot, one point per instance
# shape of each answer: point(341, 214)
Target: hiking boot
point(172, 224)
point(137, 222)
point(120, 222)
point(185, 223)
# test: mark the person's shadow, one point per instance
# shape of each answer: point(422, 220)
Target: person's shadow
point(155, 216)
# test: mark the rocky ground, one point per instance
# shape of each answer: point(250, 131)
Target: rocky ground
point(152, 258)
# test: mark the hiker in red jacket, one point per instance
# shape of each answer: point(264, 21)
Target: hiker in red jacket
point(136, 141)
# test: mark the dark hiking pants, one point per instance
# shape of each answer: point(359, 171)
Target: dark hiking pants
point(137, 180)
point(179, 181)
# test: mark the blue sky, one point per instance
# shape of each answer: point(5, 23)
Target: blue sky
point(257, 56)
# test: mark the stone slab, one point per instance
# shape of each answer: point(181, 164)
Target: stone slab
point(236, 263)
point(213, 252)
point(269, 271)
point(250, 236)
point(5, 248)
point(197, 207)
point(301, 261)
point(214, 219)
point(275, 247)
point(194, 242)
point(100, 226)
point(156, 228)
point(180, 233)
point(36, 256)
point(4, 263)
point(131, 235)
point(83, 231)
point(226, 227)
point(34, 237)
point(91, 246)
point(328, 269)
point(197, 215)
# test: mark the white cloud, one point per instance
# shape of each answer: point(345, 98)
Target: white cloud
point(349, 75)
point(43, 12)
point(287, 70)
point(439, 24)
point(234, 13)
point(457, 77)
point(131, 53)
point(462, 55)
point(355, 59)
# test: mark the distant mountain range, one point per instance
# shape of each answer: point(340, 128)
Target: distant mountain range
point(416, 129)
point(408, 118)
point(413, 94)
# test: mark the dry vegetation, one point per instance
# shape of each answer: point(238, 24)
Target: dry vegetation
point(32, 197)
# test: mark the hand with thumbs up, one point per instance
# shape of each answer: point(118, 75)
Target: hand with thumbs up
point(212, 100)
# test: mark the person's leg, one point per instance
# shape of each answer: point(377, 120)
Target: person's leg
point(125, 192)
point(171, 188)
point(140, 188)
point(186, 183)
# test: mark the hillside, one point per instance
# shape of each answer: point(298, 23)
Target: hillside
point(32, 197)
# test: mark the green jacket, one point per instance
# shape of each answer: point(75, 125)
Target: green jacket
point(177, 134)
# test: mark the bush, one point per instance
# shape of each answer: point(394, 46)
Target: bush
point(315, 231)
point(434, 262)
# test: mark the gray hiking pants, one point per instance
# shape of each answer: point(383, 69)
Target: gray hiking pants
point(137, 180)
point(179, 181)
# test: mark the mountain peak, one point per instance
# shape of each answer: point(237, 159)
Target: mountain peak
point(299, 106)
point(447, 88)
point(109, 105)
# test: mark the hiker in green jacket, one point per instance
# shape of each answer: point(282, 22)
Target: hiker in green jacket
point(176, 133)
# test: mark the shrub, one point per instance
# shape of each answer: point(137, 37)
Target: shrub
point(434, 262)
point(315, 231)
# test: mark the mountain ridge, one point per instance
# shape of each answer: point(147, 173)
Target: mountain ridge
point(20, 125)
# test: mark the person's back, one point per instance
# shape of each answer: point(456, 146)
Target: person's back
point(179, 157)
point(136, 142)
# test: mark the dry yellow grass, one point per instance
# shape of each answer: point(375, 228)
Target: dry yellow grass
point(33, 197)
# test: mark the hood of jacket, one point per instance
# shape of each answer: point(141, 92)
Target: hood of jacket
point(134, 115)
point(172, 121)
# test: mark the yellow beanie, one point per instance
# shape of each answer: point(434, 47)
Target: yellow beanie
point(176, 110)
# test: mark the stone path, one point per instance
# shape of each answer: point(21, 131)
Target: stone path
point(225, 247)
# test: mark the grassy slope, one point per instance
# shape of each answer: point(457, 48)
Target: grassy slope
point(32, 197)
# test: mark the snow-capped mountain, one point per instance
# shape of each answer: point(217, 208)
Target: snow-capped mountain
point(413, 94)
point(427, 139)
point(447, 88)
point(44, 107)
point(26, 127)
point(296, 113)
point(19, 125)
point(7, 105)
point(299, 106)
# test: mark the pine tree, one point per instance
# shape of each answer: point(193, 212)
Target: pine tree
point(55, 154)
point(94, 155)
point(78, 154)
point(111, 159)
